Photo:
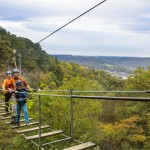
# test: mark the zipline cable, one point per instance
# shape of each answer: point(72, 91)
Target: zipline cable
point(71, 21)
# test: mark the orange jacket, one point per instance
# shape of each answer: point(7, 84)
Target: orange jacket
point(5, 85)
point(12, 82)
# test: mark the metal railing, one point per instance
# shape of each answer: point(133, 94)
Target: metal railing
point(71, 96)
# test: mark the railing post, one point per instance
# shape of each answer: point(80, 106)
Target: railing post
point(39, 118)
point(20, 69)
point(71, 114)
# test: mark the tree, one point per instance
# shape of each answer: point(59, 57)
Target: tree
point(123, 134)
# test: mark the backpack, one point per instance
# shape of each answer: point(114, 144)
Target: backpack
point(21, 97)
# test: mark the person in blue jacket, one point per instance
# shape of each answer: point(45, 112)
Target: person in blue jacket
point(20, 95)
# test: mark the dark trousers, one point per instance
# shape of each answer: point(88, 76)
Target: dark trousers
point(7, 98)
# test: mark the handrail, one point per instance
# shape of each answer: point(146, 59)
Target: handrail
point(78, 91)
point(145, 99)
point(71, 96)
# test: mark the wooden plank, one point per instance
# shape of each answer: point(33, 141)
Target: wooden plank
point(9, 117)
point(20, 120)
point(82, 146)
point(1, 112)
point(2, 103)
point(3, 118)
point(2, 108)
point(24, 125)
point(32, 129)
point(4, 113)
point(44, 135)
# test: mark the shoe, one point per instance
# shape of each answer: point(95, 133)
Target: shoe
point(27, 124)
point(17, 124)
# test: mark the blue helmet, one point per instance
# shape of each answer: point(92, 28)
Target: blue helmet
point(15, 71)
point(19, 82)
point(8, 72)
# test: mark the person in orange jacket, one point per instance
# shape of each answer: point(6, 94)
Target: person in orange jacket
point(12, 88)
point(6, 92)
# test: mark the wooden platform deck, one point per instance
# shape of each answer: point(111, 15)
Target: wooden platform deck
point(44, 135)
point(24, 125)
point(9, 117)
point(22, 120)
point(82, 146)
point(32, 129)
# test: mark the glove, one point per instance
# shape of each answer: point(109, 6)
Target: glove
point(11, 91)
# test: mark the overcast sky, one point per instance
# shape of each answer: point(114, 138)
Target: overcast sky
point(115, 28)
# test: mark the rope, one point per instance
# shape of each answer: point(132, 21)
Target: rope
point(71, 21)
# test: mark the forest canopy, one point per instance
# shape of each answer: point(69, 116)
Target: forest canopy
point(114, 125)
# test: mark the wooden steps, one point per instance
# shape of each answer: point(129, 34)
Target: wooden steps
point(3, 113)
point(3, 118)
point(81, 146)
point(9, 117)
point(44, 135)
point(35, 127)
point(20, 120)
point(32, 129)
point(24, 125)
point(1, 103)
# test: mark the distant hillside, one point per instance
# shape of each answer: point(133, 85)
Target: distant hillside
point(96, 61)
point(119, 64)
point(33, 56)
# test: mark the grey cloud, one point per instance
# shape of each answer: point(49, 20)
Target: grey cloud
point(123, 22)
